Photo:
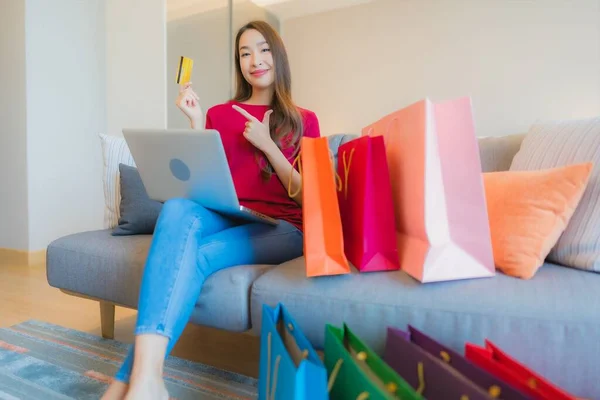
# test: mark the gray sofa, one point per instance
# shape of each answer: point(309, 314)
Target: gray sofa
point(549, 322)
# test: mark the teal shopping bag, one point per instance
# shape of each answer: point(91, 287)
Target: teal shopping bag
point(290, 369)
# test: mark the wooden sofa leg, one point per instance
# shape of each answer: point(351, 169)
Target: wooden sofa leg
point(107, 319)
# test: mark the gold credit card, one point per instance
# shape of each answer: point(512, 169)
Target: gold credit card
point(184, 72)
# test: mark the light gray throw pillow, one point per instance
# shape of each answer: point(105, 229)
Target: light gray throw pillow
point(554, 144)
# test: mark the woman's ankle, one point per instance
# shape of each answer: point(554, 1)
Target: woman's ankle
point(150, 351)
point(146, 373)
point(148, 389)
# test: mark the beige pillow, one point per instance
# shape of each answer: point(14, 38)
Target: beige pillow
point(561, 143)
point(114, 152)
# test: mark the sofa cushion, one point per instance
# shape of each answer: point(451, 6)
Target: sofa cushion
point(549, 322)
point(108, 267)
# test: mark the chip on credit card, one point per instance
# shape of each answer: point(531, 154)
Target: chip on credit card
point(184, 72)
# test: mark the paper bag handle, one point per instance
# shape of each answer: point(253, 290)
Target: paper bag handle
point(338, 179)
point(271, 391)
point(333, 376)
point(494, 391)
point(362, 356)
point(347, 170)
point(421, 375)
point(298, 160)
point(334, 373)
point(391, 387)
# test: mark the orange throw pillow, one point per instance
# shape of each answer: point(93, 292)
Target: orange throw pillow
point(528, 211)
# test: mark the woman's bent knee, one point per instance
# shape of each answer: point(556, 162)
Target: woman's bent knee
point(180, 212)
point(178, 208)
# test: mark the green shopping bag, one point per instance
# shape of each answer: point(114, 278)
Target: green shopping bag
point(356, 372)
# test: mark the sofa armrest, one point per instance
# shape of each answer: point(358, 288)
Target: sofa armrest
point(336, 140)
point(497, 153)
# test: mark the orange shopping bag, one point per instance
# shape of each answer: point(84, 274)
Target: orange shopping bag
point(322, 223)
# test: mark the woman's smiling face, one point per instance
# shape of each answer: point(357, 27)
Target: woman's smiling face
point(256, 60)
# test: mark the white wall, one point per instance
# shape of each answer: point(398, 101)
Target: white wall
point(70, 69)
point(13, 127)
point(243, 12)
point(65, 113)
point(519, 60)
point(204, 34)
point(203, 37)
point(135, 64)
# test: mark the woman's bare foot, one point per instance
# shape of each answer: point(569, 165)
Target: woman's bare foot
point(147, 388)
point(116, 391)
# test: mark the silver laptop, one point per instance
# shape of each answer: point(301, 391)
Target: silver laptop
point(190, 164)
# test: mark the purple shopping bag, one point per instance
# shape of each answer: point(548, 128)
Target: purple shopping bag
point(430, 377)
point(496, 387)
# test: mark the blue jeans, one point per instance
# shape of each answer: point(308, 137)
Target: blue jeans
point(190, 243)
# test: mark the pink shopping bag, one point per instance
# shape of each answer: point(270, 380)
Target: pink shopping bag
point(437, 187)
point(366, 205)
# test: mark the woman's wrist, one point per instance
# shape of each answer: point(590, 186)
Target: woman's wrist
point(272, 150)
point(196, 123)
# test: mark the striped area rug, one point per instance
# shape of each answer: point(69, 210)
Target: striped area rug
point(44, 361)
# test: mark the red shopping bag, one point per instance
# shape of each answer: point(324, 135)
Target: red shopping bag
point(366, 205)
point(495, 361)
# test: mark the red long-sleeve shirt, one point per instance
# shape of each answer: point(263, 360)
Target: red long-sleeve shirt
point(267, 197)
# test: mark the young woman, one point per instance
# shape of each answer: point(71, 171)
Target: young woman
point(261, 130)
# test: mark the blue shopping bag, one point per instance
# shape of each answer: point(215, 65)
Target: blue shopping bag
point(290, 368)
